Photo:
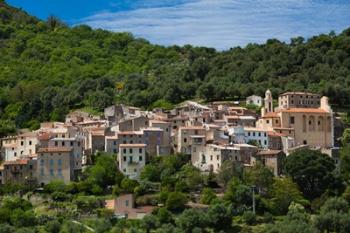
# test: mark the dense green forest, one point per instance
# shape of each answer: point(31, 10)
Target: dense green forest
point(48, 68)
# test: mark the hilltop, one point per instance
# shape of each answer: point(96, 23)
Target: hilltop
point(48, 68)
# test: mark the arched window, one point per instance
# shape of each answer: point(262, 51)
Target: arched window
point(312, 123)
point(304, 123)
point(320, 123)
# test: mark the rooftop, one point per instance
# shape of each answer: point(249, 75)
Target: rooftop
point(55, 149)
point(304, 110)
point(17, 162)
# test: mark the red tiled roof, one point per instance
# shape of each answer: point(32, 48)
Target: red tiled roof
point(269, 152)
point(270, 115)
point(304, 110)
point(54, 149)
point(17, 162)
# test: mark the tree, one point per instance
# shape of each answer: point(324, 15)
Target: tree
point(207, 196)
point(219, 217)
point(311, 170)
point(284, 191)
point(228, 170)
point(176, 201)
point(238, 193)
point(297, 220)
point(191, 219)
point(334, 216)
point(345, 161)
point(259, 176)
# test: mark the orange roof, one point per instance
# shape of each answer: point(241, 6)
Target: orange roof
point(304, 110)
point(44, 136)
point(129, 132)
point(159, 122)
point(271, 115)
point(191, 127)
point(54, 149)
point(17, 162)
point(275, 134)
point(269, 152)
point(132, 145)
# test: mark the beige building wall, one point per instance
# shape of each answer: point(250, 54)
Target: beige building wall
point(184, 141)
point(55, 164)
point(312, 127)
point(132, 159)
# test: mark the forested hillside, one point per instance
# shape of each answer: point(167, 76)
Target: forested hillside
point(48, 68)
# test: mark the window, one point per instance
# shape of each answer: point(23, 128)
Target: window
point(71, 143)
point(124, 158)
point(140, 158)
point(211, 158)
point(217, 157)
point(15, 154)
point(114, 151)
point(51, 172)
point(59, 171)
point(265, 134)
point(249, 134)
point(126, 202)
point(130, 150)
point(42, 171)
point(124, 170)
point(185, 139)
point(41, 162)
point(265, 142)
point(63, 143)
point(253, 134)
point(130, 159)
point(259, 134)
point(196, 132)
point(51, 162)
point(30, 142)
point(267, 122)
point(59, 162)
point(135, 170)
point(22, 143)
point(140, 150)
point(305, 142)
point(56, 143)
point(291, 120)
point(124, 151)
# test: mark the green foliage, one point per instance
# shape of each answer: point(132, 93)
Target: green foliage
point(207, 196)
point(176, 201)
point(345, 161)
point(259, 176)
point(283, 192)
point(238, 193)
point(311, 170)
point(228, 170)
point(47, 65)
point(129, 185)
point(249, 217)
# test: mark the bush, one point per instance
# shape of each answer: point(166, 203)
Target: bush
point(249, 217)
point(176, 201)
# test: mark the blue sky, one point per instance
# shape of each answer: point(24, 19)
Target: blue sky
point(221, 24)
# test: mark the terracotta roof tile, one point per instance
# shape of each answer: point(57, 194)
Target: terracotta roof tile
point(55, 149)
point(304, 110)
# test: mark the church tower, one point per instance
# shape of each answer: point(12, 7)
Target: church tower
point(268, 101)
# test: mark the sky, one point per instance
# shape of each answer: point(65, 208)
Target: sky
point(221, 24)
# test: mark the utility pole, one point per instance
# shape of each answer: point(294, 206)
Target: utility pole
point(253, 196)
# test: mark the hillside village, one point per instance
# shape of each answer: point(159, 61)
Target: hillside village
point(208, 134)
